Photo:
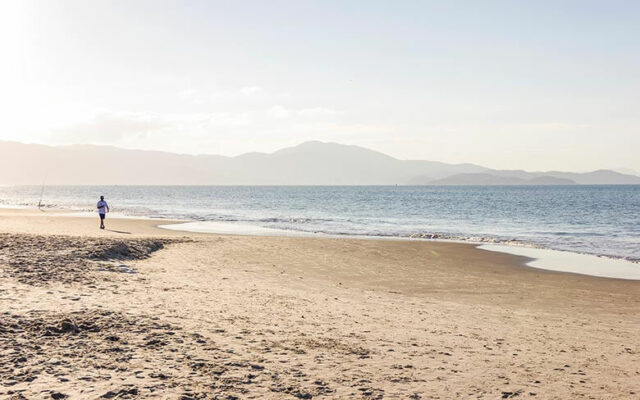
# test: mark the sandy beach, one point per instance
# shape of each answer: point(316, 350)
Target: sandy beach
point(142, 312)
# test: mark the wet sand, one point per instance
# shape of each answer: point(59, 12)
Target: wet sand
point(140, 312)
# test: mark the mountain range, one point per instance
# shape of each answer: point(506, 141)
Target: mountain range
point(310, 163)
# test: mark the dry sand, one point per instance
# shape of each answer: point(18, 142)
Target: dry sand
point(141, 312)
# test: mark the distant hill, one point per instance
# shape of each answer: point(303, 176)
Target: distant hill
point(627, 171)
point(488, 179)
point(550, 180)
point(310, 163)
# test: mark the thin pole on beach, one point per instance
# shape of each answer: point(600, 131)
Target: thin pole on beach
point(41, 195)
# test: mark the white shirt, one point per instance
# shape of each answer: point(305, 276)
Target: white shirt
point(102, 205)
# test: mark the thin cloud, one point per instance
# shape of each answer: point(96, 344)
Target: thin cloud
point(281, 112)
point(191, 130)
point(110, 128)
point(251, 90)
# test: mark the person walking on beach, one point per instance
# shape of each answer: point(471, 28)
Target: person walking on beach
point(103, 209)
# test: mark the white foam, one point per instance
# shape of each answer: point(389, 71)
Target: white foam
point(565, 261)
point(228, 228)
point(16, 207)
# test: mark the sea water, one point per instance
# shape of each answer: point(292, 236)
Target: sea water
point(598, 220)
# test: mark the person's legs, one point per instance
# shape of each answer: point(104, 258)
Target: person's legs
point(101, 221)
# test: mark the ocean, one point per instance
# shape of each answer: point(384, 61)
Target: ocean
point(599, 220)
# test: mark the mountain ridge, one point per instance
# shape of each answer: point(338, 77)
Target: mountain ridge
point(309, 163)
point(497, 180)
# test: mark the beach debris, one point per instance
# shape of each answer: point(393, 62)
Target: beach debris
point(509, 395)
point(124, 393)
point(65, 326)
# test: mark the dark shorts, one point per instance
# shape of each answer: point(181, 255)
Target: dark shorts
point(101, 216)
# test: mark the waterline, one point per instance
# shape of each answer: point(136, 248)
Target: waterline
point(575, 263)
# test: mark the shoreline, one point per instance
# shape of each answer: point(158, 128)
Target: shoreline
point(572, 263)
point(161, 227)
point(537, 257)
point(229, 221)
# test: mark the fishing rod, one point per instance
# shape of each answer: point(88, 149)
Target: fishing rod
point(41, 194)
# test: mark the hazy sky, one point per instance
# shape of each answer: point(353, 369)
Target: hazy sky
point(536, 85)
